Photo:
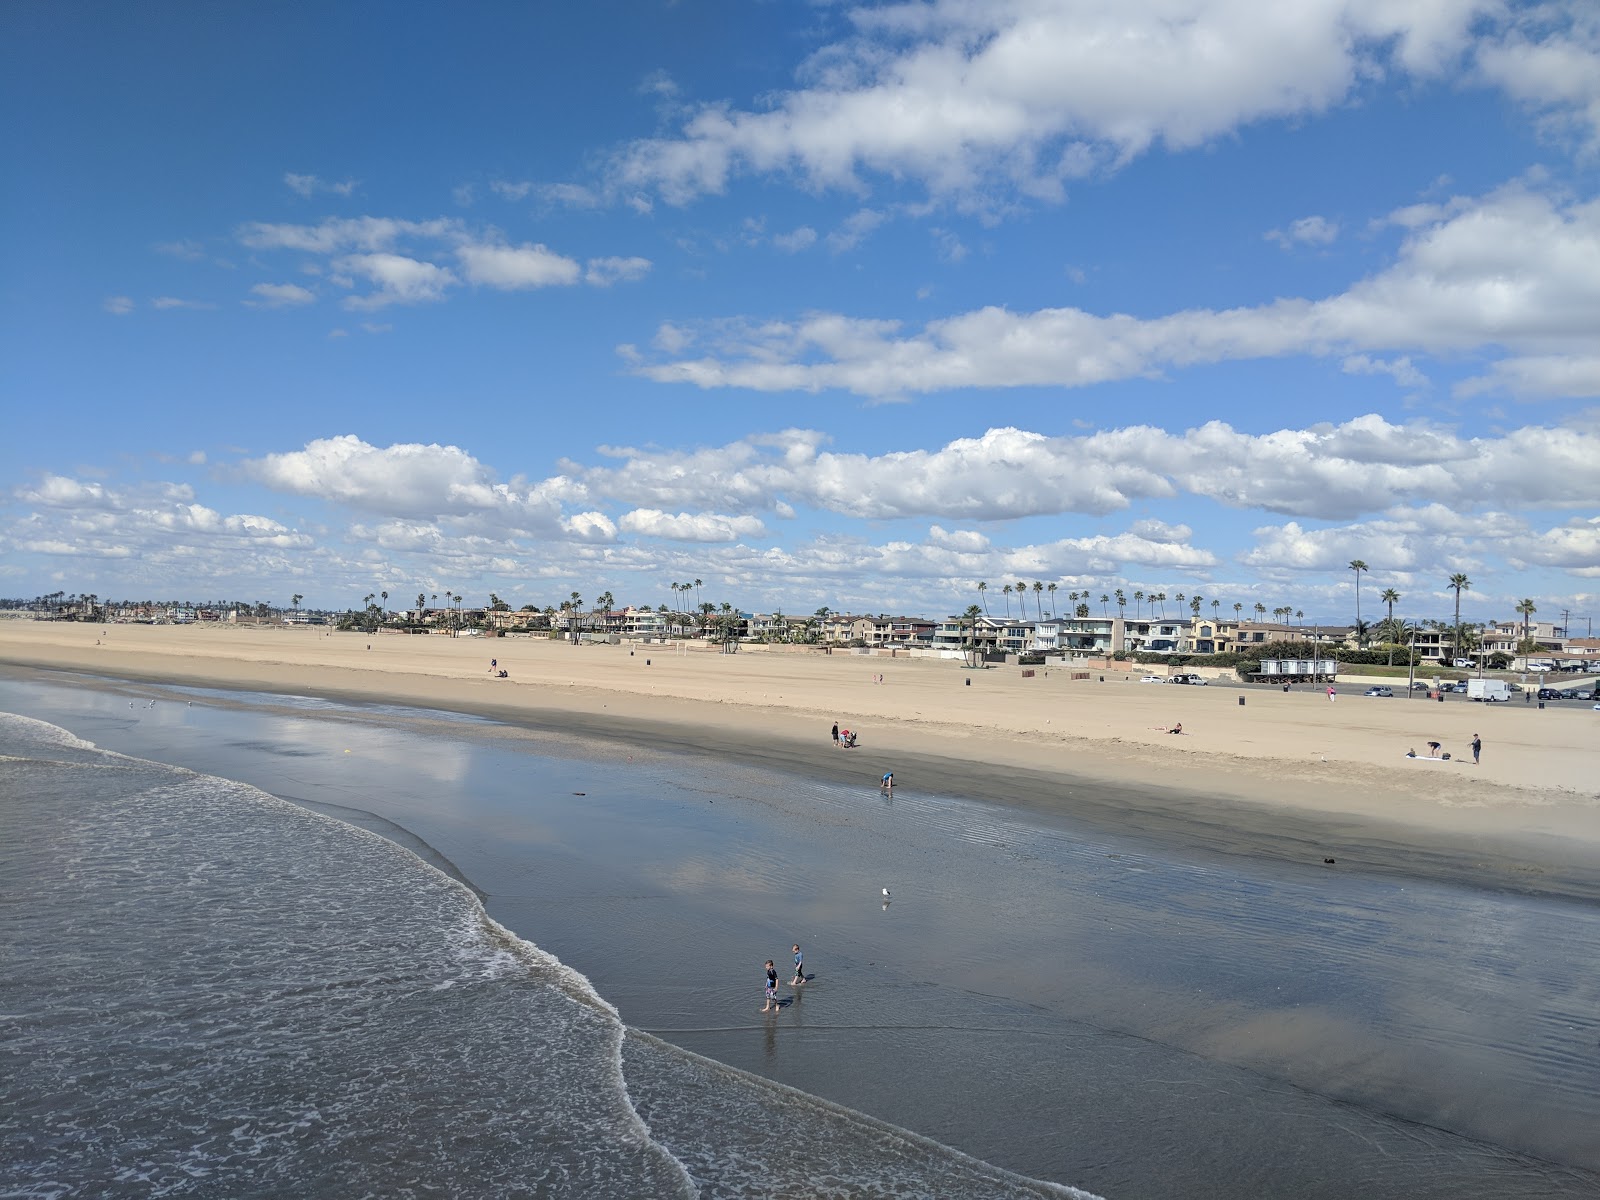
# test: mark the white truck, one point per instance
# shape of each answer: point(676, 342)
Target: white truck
point(1490, 691)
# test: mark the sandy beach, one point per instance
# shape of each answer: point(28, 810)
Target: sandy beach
point(1291, 774)
point(1115, 958)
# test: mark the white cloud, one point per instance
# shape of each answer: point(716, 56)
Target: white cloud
point(397, 278)
point(690, 527)
point(603, 272)
point(352, 233)
point(413, 482)
point(1517, 269)
point(165, 303)
point(1549, 59)
point(310, 185)
point(512, 268)
point(796, 240)
point(58, 491)
point(854, 230)
point(1307, 231)
point(1025, 94)
point(590, 527)
point(185, 248)
point(1572, 376)
point(118, 305)
point(281, 295)
point(1329, 472)
point(1398, 369)
point(1574, 547)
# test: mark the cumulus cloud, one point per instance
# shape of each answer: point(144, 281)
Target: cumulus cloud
point(310, 185)
point(1574, 547)
point(690, 527)
point(118, 306)
point(1307, 231)
point(58, 491)
point(1517, 270)
point(397, 279)
point(603, 272)
point(400, 259)
point(1025, 95)
point(280, 295)
point(414, 482)
point(335, 235)
point(85, 519)
point(796, 240)
point(1329, 472)
point(512, 268)
point(1398, 369)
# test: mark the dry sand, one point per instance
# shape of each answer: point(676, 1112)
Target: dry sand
point(1284, 773)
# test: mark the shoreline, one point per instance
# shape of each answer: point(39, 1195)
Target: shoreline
point(1228, 802)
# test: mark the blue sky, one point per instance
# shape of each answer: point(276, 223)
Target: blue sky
point(821, 303)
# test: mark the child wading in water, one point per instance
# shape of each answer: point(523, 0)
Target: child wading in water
point(772, 989)
point(799, 969)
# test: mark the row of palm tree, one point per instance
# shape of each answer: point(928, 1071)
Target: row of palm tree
point(1458, 583)
point(1079, 602)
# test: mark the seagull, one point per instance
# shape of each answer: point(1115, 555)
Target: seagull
point(885, 893)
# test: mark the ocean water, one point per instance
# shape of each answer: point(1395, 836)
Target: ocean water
point(1117, 1015)
point(211, 992)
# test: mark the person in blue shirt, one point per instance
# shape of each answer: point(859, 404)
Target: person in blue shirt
point(799, 969)
point(772, 989)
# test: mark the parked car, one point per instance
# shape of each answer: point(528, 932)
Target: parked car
point(1197, 680)
point(1551, 694)
point(1153, 679)
point(1421, 686)
point(1378, 691)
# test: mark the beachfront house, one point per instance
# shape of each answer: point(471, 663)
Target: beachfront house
point(893, 632)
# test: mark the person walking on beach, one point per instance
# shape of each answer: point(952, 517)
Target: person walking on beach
point(836, 735)
point(494, 665)
point(772, 988)
point(887, 783)
point(1477, 748)
point(799, 969)
point(1332, 694)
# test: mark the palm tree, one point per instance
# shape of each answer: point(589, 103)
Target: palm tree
point(295, 600)
point(1104, 600)
point(1195, 601)
point(574, 613)
point(1390, 597)
point(1216, 610)
point(1052, 590)
point(1038, 590)
point(983, 590)
point(1007, 591)
point(1161, 599)
point(697, 589)
point(1299, 616)
point(1138, 604)
point(1358, 566)
point(1122, 603)
point(1527, 608)
point(1460, 583)
point(1261, 611)
point(1237, 609)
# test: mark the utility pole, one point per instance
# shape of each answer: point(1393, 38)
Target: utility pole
point(1566, 615)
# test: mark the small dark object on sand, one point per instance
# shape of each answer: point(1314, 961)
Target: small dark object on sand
point(1328, 860)
point(580, 793)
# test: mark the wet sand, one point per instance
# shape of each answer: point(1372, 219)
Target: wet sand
point(1284, 775)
